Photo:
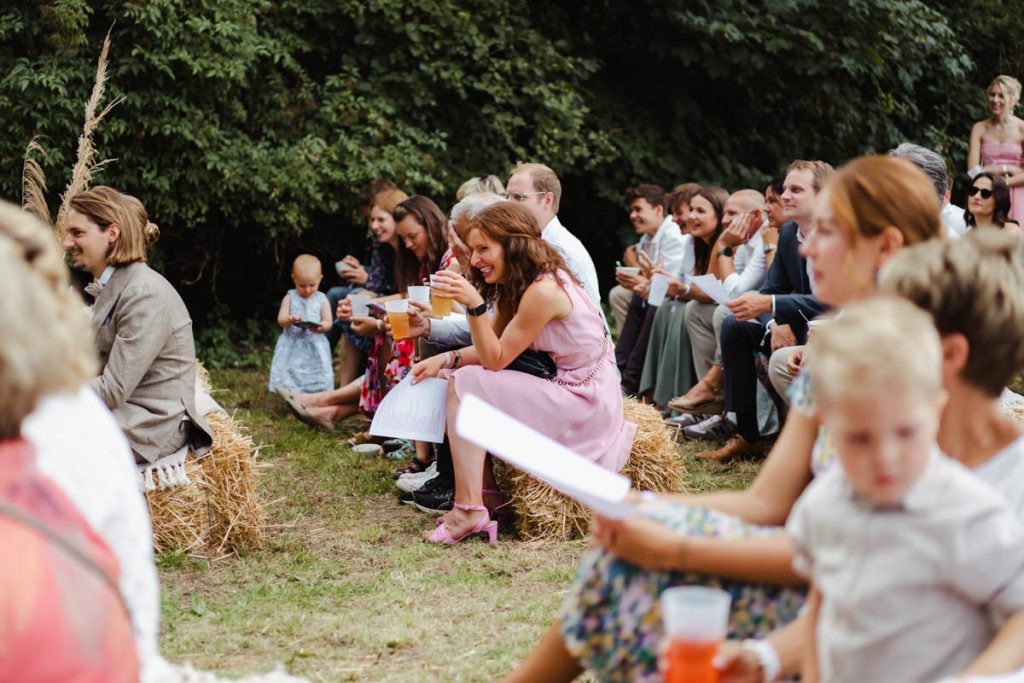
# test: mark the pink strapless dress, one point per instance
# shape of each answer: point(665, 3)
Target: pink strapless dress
point(1007, 153)
point(587, 418)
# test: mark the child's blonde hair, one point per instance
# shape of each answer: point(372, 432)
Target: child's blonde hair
point(47, 344)
point(972, 286)
point(877, 344)
point(307, 264)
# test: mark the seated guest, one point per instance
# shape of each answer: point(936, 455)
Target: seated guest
point(143, 331)
point(776, 317)
point(68, 479)
point(538, 305)
point(939, 559)
point(667, 365)
point(485, 184)
point(988, 204)
point(661, 245)
point(536, 187)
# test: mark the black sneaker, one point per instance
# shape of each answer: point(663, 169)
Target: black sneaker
point(437, 495)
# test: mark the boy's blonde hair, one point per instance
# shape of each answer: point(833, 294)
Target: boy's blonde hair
point(877, 344)
point(47, 344)
point(972, 286)
point(307, 264)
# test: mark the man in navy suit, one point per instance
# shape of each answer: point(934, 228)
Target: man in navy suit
point(773, 318)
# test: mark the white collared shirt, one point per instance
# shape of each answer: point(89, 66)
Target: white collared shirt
point(577, 258)
point(750, 266)
point(105, 275)
point(675, 250)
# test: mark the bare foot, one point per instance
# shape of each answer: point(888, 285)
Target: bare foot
point(460, 522)
point(700, 393)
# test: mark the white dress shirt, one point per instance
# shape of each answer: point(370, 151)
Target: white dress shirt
point(953, 218)
point(675, 250)
point(750, 266)
point(577, 258)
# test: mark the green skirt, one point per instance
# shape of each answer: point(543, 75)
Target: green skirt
point(668, 366)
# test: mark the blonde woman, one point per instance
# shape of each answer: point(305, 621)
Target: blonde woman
point(997, 143)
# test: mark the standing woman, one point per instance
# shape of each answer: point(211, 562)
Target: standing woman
point(667, 367)
point(997, 143)
point(143, 330)
point(538, 305)
point(988, 204)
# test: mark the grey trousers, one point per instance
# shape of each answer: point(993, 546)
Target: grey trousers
point(619, 298)
point(704, 326)
point(778, 370)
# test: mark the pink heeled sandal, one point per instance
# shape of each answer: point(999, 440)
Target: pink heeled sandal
point(494, 501)
point(486, 525)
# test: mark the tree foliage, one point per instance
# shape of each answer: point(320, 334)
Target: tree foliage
point(248, 126)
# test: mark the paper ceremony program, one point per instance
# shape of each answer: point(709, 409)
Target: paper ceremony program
point(515, 443)
point(415, 412)
point(710, 285)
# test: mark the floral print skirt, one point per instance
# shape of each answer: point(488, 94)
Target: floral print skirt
point(611, 616)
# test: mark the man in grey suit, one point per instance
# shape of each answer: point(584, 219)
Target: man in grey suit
point(143, 331)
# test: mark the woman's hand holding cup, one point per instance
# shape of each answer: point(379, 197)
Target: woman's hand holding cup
point(456, 287)
point(344, 310)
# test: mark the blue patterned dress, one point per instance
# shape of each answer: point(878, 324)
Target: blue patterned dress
point(302, 359)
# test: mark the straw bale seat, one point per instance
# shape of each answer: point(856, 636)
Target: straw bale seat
point(541, 512)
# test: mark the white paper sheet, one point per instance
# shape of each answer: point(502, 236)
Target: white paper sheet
point(712, 286)
point(413, 411)
point(515, 443)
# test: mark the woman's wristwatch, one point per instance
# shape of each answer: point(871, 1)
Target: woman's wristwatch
point(477, 310)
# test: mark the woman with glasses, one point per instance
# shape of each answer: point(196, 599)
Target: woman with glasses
point(988, 204)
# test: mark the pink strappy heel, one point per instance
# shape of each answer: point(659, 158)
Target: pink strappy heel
point(494, 501)
point(485, 525)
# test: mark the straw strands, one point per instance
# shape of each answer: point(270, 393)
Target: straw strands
point(541, 512)
point(33, 184)
point(219, 512)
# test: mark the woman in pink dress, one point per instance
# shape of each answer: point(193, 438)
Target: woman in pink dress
point(538, 305)
point(997, 143)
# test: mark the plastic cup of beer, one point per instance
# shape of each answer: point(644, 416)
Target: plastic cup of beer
point(439, 305)
point(419, 293)
point(398, 314)
point(695, 620)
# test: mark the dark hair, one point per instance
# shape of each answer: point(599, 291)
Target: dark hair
point(371, 190)
point(778, 184)
point(429, 216)
point(681, 194)
point(1001, 193)
point(652, 194)
point(717, 197)
point(526, 255)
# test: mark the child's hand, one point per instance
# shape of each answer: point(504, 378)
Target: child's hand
point(344, 310)
point(365, 326)
point(430, 367)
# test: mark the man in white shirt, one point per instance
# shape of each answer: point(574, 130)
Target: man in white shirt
point(538, 189)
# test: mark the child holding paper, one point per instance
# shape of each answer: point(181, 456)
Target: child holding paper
point(302, 357)
point(912, 558)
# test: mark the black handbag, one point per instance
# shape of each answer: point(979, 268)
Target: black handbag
point(536, 363)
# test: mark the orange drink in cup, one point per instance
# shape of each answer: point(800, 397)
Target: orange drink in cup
point(440, 305)
point(398, 315)
point(695, 620)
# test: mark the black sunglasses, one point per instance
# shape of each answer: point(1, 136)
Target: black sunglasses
point(985, 194)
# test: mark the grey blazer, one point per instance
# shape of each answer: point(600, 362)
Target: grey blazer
point(148, 362)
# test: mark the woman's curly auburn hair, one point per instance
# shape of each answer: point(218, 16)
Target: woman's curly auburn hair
point(526, 255)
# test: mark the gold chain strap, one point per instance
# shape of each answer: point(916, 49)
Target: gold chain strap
point(590, 375)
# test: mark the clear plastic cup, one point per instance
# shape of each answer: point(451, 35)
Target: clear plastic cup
point(439, 305)
point(695, 619)
point(398, 314)
point(419, 293)
point(360, 305)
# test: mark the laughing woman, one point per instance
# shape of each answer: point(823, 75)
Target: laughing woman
point(538, 305)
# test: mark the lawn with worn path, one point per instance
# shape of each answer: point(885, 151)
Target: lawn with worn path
point(346, 589)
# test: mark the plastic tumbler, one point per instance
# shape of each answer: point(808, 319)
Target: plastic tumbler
point(398, 314)
point(419, 293)
point(360, 305)
point(440, 305)
point(695, 620)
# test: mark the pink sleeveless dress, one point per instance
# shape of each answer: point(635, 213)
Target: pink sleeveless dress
point(1007, 153)
point(583, 411)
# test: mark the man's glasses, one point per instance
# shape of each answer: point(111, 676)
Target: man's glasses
point(521, 196)
point(985, 194)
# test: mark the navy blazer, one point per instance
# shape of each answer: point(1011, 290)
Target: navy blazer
point(787, 280)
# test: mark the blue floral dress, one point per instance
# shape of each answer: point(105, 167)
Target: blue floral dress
point(302, 359)
point(611, 615)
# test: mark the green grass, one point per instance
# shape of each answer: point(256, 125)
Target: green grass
point(345, 589)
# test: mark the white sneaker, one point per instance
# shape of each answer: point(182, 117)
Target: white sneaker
point(414, 482)
point(712, 429)
point(685, 420)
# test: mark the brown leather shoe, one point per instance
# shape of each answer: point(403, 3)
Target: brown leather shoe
point(735, 447)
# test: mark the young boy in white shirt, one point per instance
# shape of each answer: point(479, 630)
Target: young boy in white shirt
point(917, 568)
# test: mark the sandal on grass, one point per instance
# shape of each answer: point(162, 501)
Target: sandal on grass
point(364, 437)
point(407, 450)
point(414, 466)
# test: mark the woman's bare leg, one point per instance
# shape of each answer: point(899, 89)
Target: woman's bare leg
point(350, 361)
point(340, 396)
point(549, 662)
point(469, 462)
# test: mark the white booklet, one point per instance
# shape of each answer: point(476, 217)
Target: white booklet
point(502, 436)
point(413, 411)
point(712, 286)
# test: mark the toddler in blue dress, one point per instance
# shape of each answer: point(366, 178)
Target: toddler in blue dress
point(302, 357)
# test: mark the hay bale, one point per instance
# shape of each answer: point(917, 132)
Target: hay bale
point(541, 512)
point(219, 512)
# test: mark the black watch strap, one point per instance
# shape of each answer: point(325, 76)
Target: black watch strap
point(725, 251)
point(477, 310)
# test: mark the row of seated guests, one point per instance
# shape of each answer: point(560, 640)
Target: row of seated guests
point(876, 227)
